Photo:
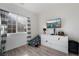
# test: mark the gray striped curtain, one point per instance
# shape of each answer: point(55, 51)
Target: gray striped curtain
point(3, 21)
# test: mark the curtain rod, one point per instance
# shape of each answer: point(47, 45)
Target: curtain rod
point(9, 12)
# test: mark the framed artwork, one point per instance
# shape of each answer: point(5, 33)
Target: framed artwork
point(54, 23)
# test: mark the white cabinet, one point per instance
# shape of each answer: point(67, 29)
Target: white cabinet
point(56, 42)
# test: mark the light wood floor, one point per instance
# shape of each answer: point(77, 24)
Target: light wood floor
point(34, 51)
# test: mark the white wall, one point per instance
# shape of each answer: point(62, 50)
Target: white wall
point(16, 40)
point(70, 19)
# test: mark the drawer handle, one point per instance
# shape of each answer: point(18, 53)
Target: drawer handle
point(58, 38)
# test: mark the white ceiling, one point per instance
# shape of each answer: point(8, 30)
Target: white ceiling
point(43, 7)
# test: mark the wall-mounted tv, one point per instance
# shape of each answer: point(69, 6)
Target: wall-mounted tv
point(54, 23)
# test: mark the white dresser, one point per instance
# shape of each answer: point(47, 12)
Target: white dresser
point(56, 42)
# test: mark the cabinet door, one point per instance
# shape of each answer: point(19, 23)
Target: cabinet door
point(44, 40)
point(52, 39)
point(59, 43)
point(63, 41)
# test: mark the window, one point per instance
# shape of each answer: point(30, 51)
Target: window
point(3, 19)
point(11, 23)
point(21, 24)
point(21, 27)
point(15, 23)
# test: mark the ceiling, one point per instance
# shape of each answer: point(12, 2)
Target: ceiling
point(43, 7)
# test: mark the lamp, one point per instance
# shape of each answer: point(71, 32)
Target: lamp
point(44, 29)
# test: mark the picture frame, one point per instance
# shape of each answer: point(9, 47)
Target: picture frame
point(54, 23)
